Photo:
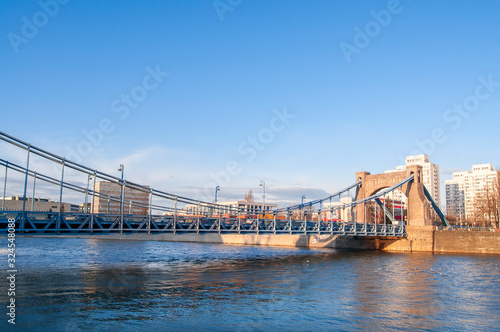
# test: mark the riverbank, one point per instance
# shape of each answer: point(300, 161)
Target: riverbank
point(423, 239)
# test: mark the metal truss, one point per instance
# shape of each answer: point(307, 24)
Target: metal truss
point(81, 223)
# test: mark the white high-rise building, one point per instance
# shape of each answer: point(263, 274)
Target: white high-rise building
point(466, 186)
point(430, 176)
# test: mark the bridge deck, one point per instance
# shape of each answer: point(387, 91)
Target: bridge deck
point(85, 223)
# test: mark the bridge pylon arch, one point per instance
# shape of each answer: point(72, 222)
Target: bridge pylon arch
point(418, 210)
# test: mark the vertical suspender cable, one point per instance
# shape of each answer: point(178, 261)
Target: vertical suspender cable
point(150, 209)
point(175, 215)
point(4, 186)
point(25, 187)
point(33, 197)
point(93, 204)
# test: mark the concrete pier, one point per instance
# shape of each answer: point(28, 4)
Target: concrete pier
point(420, 239)
point(429, 239)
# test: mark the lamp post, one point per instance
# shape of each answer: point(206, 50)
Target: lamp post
point(122, 193)
point(263, 185)
point(85, 207)
point(216, 190)
point(121, 169)
point(302, 203)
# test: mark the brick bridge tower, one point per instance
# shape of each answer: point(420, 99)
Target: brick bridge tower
point(418, 207)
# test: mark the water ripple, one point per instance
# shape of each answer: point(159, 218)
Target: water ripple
point(78, 285)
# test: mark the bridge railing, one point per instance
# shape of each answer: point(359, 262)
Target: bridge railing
point(164, 212)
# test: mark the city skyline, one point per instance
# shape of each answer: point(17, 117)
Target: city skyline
point(430, 172)
point(301, 95)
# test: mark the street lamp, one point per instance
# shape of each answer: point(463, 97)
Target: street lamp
point(216, 190)
point(263, 185)
point(301, 204)
point(85, 207)
point(121, 169)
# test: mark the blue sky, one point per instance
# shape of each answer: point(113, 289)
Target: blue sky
point(240, 91)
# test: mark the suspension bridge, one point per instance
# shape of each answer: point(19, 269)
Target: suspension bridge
point(371, 210)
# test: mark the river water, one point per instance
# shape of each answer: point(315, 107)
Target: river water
point(82, 284)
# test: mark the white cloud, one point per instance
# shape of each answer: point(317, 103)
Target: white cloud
point(182, 172)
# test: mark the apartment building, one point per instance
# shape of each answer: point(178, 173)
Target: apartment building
point(107, 200)
point(430, 176)
point(467, 186)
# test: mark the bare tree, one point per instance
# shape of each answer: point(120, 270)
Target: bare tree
point(480, 209)
point(249, 196)
point(496, 201)
point(487, 205)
